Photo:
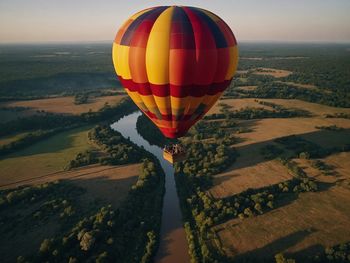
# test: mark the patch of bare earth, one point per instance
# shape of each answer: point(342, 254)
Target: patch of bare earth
point(276, 73)
point(65, 104)
point(244, 175)
point(246, 88)
point(270, 129)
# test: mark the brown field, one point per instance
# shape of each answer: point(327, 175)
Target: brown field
point(237, 104)
point(65, 104)
point(313, 108)
point(11, 138)
point(340, 162)
point(270, 129)
point(108, 183)
point(276, 73)
point(303, 225)
point(312, 220)
point(243, 175)
point(247, 88)
point(299, 85)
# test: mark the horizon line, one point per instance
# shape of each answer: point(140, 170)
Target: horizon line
point(265, 41)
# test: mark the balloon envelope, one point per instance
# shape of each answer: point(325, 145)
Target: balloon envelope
point(175, 62)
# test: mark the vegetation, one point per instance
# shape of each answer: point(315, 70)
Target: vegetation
point(305, 149)
point(325, 168)
point(339, 253)
point(330, 128)
point(27, 140)
point(81, 98)
point(51, 121)
point(271, 151)
point(338, 115)
point(96, 233)
point(260, 113)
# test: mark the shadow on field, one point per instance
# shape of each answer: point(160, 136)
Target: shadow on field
point(249, 155)
point(53, 144)
point(267, 252)
point(310, 251)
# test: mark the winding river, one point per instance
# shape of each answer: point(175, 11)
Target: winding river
point(173, 246)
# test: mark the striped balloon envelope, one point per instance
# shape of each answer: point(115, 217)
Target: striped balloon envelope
point(175, 62)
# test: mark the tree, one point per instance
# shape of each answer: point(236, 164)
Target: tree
point(87, 241)
point(281, 259)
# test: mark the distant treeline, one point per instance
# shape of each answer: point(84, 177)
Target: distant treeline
point(259, 113)
point(268, 88)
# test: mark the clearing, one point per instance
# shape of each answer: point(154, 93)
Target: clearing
point(45, 157)
point(276, 73)
point(248, 172)
point(65, 104)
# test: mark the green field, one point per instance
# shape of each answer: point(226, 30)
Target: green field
point(11, 138)
point(45, 157)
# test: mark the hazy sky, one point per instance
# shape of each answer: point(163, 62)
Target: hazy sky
point(99, 20)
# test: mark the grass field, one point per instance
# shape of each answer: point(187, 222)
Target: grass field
point(299, 228)
point(11, 138)
point(45, 157)
point(243, 175)
point(314, 108)
point(276, 73)
point(270, 129)
point(65, 104)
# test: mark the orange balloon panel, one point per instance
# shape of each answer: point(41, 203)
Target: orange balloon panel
point(175, 62)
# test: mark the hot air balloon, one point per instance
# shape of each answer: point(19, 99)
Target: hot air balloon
point(175, 62)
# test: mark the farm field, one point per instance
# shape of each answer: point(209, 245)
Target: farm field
point(48, 156)
point(11, 138)
point(302, 226)
point(276, 73)
point(298, 229)
point(65, 104)
point(270, 129)
point(313, 108)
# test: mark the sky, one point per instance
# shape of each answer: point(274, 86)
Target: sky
point(28, 21)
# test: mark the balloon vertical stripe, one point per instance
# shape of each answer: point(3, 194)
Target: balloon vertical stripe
point(175, 62)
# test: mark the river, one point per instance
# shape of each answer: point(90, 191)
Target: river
point(173, 247)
